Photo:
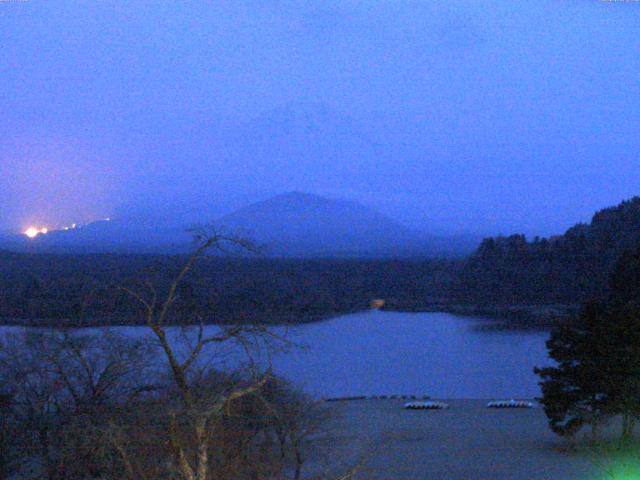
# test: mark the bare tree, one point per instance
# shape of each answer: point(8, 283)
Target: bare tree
point(198, 411)
point(301, 424)
point(63, 385)
point(118, 406)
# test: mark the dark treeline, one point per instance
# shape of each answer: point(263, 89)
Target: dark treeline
point(41, 288)
point(567, 269)
point(504, 271)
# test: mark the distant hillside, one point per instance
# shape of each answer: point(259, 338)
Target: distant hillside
point(303, 225)
point(118, 236)
point(289, 225)
point(565, 269)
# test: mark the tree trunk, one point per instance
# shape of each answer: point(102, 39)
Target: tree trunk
point(203, 452)
point(628, 424)
point(299, 461)
point(594, 429)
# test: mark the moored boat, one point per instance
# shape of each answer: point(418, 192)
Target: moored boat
point(510, 404)
point(430, 405)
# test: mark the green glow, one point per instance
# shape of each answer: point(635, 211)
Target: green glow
point(621, 468)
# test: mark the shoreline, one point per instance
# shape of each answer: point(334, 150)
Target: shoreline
point(500, 317)
point(466, 440)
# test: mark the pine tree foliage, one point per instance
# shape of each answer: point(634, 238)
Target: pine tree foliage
point(597, 371)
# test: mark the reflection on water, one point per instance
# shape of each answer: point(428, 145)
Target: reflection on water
point(438, 354)
point(378, 353)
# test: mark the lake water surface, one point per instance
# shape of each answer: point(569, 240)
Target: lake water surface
point(384, 353)
point(437, 354)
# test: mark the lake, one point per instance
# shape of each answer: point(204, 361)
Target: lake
point(436, 354)
point(384, 353)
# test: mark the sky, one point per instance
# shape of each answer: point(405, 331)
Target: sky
point(489, 116)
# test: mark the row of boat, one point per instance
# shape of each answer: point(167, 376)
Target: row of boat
point(377, 397)
point(433, 405)
point(426, 405)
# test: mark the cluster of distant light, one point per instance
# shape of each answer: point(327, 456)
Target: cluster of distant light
point(33, 232)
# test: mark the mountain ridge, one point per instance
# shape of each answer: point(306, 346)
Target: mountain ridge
point(303, 224)
point(291, 224)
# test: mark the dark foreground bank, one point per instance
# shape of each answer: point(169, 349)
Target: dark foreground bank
point(466, 441)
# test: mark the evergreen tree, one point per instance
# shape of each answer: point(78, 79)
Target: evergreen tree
point(598, 359)
point(574, 393)
point(625, 281)
point(623, 365)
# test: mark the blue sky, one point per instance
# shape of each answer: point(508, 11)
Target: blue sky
point(467, 116)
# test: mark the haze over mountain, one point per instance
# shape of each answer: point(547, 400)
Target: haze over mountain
point(491, 116)
point(300, 224)
point(293, 224)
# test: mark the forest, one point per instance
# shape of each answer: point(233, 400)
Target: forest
point(45, 289)
point(566, 269)
point(503, 272)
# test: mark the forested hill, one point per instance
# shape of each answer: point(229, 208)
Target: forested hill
point(47, 289)
point(570, 268)
point(503, 272)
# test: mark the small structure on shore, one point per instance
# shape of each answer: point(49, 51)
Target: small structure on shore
point(510, 404)
point(377, 303)
point(430, 405)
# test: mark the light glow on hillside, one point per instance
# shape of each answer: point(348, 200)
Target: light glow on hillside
point(33, 232)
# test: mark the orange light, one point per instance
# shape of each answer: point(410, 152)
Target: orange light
point(33, 232)
point(377, 303)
